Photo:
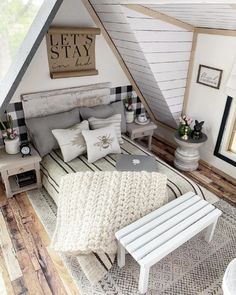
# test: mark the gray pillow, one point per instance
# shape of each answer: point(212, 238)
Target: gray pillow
point(105, 111)
point(119, 108)
point(100, 111)
point(40, 129)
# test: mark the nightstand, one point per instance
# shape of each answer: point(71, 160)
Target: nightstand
point(10, 165)
point(135, 130)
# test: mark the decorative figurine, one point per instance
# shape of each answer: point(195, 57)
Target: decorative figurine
point(197, 130)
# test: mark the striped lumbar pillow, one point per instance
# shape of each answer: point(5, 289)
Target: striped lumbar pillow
point(115, 120)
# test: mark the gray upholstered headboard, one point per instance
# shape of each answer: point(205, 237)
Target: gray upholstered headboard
point(56, 101)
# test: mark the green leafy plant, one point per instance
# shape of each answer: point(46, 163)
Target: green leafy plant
point(185, 123)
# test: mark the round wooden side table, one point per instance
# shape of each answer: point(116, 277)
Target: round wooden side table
point(187, 152)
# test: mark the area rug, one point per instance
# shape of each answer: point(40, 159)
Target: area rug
point(194, 268)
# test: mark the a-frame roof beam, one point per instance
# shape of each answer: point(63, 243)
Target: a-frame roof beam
point(28, 49)
point(161, 16)
point(211, 31)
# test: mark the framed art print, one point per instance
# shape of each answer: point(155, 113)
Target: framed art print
point(209, 76)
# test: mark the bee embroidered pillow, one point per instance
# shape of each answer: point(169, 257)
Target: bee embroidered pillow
point(101, 142)
point(71, 141)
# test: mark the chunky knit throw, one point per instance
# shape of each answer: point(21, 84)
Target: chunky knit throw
point(92, 206)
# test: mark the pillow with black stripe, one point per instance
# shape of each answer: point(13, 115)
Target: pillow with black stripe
point(105, 111)
point(115, 120)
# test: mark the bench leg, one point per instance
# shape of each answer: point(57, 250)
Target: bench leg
point(143, 279)
point(121, 255)
point(210, 231)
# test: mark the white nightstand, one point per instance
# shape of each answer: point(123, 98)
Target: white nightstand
point(138, 131)
point(10, 165)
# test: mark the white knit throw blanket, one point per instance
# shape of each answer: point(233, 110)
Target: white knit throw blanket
point(94, 205)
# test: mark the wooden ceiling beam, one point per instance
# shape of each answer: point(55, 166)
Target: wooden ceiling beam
point(161, 16)
point(190, 72)
point(233, 6)
point(222, 32)
point(105, 34)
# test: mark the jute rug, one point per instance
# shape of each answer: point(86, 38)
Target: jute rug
point(194, 268)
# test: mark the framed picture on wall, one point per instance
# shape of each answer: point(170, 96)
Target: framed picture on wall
point(209, 76)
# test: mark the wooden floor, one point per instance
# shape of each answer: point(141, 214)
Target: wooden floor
point(222, 185)
point(29, 266)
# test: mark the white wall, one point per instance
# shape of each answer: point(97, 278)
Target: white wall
point(36, 78)
point(206, 103)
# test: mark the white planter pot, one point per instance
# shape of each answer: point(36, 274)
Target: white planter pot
point(12, 146)
point(129, 117)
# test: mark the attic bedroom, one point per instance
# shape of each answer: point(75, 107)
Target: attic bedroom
point(117, 147)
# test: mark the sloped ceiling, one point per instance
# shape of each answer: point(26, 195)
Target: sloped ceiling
point(155, 42)
point(217, 16)
point(156, 53)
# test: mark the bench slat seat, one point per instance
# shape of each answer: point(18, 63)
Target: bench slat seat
point(168, 230)
point(130, 228)
point(150, 229)
point(157, 234)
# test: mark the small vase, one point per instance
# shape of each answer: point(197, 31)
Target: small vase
point(12, 146)
point(186, 133)
point(129, 117)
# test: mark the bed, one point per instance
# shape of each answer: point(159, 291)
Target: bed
point(54, 168)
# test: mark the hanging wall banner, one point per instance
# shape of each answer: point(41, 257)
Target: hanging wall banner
point(71, 51)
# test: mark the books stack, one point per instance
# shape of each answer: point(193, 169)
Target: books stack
point(26, 178)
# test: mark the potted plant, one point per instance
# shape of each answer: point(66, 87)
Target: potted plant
point(185, 127)
point(11, 139)
point(129, 114)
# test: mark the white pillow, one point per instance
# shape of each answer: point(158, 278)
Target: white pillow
point(71, 141)
point(114, 120)
point(101, 142)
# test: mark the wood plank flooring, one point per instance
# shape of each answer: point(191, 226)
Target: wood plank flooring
point(27, 264)
point(222, 185)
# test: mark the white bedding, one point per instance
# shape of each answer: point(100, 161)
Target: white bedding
point(93, 206)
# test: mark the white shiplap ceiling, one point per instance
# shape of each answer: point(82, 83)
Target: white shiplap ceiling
point(156, 53)
point(215, 16)
point(155, 39)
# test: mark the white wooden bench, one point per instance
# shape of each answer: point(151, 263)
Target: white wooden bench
point(157, 234)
